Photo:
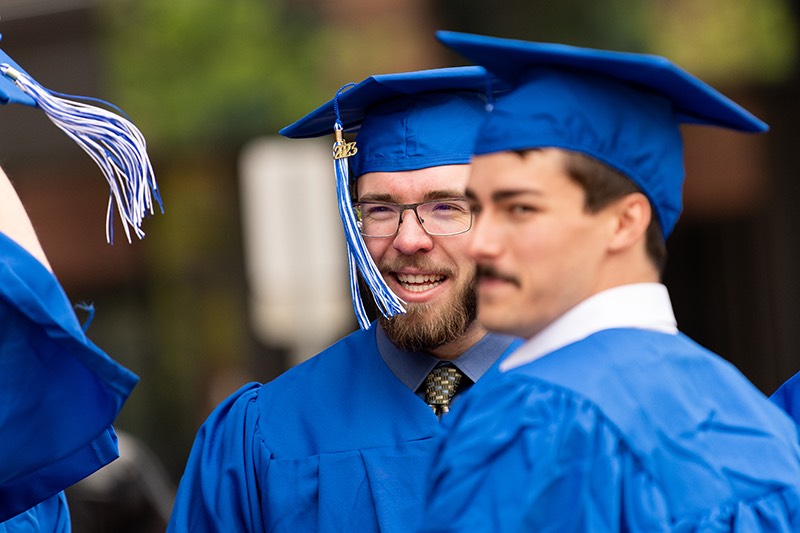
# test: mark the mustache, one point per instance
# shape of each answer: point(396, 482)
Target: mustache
point(490, 272)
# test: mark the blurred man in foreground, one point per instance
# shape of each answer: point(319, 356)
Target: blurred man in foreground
point(607, 418)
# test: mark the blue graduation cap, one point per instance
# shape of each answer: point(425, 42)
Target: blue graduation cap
point(623, 109)
point(403, 121)
point(113, 142)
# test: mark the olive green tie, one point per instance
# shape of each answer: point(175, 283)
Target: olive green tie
point(440, 385)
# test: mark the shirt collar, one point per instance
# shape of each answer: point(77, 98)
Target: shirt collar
point(639, 305)
point(413, 367)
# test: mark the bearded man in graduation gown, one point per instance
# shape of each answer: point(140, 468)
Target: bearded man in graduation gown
point(343, 442)
point(607, 418)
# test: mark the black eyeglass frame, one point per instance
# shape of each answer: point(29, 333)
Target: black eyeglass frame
point(413, 207)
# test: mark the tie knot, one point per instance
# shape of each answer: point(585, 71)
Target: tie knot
point(440, 385)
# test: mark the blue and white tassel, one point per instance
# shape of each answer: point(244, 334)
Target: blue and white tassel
point(359, 260)
point(113, 142)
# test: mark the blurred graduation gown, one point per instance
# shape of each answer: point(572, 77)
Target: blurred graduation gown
point(59, 393)
point(338, 443)
point(628, 429)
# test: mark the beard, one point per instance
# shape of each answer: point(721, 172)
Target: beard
point(427, 326)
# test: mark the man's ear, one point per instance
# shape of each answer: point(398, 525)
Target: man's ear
point(632, 217)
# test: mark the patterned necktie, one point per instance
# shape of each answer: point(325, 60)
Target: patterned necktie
point(440, 385)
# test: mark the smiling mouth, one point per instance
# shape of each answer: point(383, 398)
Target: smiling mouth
point(419, 282)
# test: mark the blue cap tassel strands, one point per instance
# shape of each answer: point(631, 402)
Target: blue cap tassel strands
point(113, 142)
point(388, 303)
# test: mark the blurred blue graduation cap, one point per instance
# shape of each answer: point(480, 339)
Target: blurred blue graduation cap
point(10, 93)
point(404, 121)
point(113, 142)
point(623, 109)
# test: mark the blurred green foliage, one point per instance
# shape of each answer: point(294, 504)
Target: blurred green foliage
point(212, 71)
point(208, 71)
point(614, 24)
point(730, 42)
point(746, 41)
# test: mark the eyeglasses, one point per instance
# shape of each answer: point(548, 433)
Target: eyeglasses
point(448, 216)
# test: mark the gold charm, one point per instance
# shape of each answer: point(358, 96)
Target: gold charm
point(344, 150)
point(341, 148)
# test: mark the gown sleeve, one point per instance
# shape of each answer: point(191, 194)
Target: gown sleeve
point(51, 515)
point(59, 393)
point(219, 490)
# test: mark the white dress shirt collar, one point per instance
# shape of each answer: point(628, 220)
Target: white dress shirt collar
point(639, 305)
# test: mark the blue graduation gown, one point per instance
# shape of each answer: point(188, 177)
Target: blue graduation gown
point(335, 444)
point(50, 516)
point(627, 430)
point(59, 393)
point(787, 397)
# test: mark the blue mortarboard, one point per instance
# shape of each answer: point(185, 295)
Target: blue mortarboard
point(404, 121)
point(623, 109)
point(113, 142)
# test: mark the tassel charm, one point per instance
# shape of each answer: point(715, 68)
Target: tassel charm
point(340, 147)
point(114, 143)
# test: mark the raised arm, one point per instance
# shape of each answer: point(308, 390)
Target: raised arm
point(15, 223)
